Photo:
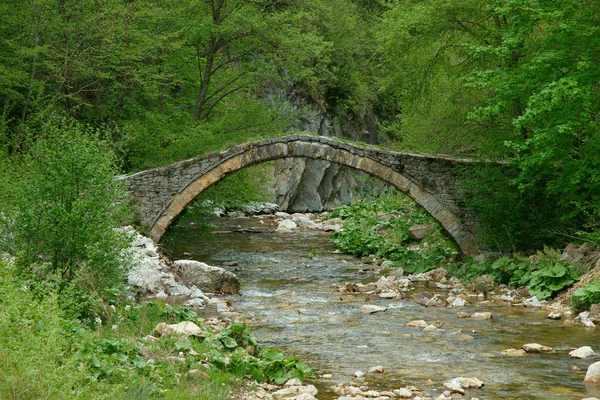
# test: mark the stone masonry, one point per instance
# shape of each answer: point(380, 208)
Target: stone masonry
point(160, 194)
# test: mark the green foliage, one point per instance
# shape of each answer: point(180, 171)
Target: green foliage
point(380, 226)
point(551, 278)
point(512, 271)
point(513, 220)
point(544, 88)
point(544, 280)
point(237, 335)
point(583, 298)
point(272, 367)
point(34, 344)
point(67, 211)
point(423, 58)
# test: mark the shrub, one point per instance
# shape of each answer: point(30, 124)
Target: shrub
point(33, 345)
point(380, 226)
point(583, 298)
point(68, 207)
point(544, 280)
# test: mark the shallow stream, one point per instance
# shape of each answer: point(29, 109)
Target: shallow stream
point(286, 281)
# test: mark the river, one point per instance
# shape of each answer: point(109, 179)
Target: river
point(286, 292)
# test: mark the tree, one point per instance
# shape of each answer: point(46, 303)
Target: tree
point(545, 84)
point(423, 59)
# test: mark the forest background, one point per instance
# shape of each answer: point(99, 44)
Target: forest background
point(513, 80)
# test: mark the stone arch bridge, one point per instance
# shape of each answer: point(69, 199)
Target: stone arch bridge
point(430, 180)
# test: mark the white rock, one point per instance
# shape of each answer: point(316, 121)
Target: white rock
point(454, 386)
point(386, 284)
point(195, 302)
point(582, 352)
point(286, 225)
point(554, 315)
point(593, 373)
point(403, 393)
point(371, 308)
point(458, 302)
point(537, 348)
point(359, 374)
point(293, 382)
point(468, 383)
point(187, 328)
point(417, 324)
point(481, 315)
point(533, 302)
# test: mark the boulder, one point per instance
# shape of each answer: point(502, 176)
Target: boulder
point(186, 328)
point(418, 232)
point(436, 274)
point(537, 348)
point(595, 313)
point(371, 309)
point(286, 225)
point(582, 352)
point(593, 373)
point(481, 315)
point(574, 254)
point(206, 277)
point(418, 324)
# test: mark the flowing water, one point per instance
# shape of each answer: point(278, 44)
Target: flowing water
point(286, 291)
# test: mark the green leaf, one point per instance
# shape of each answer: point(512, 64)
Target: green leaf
point(229, 342)
point(272, 355)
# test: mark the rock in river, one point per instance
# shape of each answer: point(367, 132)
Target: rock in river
point(537, 348)
point(593, 373)
point(371, 309)
point(582, 352)
point(206, 277)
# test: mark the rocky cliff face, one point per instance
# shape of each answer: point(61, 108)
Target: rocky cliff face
point(315, 185)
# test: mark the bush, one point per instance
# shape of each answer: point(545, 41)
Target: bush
point(544, 280)
point(33, 345)
point(583, 298)
point(380, 226)
point(514, 219)
point(67, 209)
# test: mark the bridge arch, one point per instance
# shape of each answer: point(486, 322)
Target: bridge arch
point(187, 179)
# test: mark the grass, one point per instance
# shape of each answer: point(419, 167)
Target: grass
point(46, 355)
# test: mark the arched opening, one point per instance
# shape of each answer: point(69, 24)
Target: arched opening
point(250, 155)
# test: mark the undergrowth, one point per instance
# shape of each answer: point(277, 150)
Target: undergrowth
point(46, 354)
point(380, 226)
